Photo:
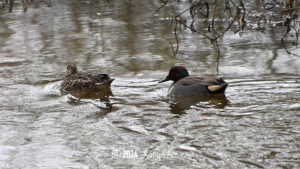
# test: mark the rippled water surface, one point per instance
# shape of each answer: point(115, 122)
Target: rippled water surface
point(134, 125)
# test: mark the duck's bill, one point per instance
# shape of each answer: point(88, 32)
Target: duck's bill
point(166, 79)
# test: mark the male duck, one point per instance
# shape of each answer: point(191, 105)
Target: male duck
point(79, 81)
point(185, 85)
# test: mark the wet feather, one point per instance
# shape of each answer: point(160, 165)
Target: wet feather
point(75, 80)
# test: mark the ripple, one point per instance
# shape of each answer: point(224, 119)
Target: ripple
point(186, 148)
point(52, 89)
point(255, 124)
point(252, 163)
point(12, 62)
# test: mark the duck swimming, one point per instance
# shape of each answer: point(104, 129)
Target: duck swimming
point(186, 85)
point(75, 80)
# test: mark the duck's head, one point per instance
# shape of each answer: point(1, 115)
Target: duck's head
point(176, 73)
point(71, 69)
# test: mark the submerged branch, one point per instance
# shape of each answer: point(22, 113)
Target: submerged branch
point(11, 5)
point(213, 18)
point(176, 38)
point(164, 4)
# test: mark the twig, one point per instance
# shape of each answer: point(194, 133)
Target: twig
point(282, 39)
point(176, 38)
point(291, 9)
point(11, 4)
point(164, 4)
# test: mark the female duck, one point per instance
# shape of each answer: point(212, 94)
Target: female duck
point(185, 85)
point(80, 81)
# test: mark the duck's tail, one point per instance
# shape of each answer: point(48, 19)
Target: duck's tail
point(215, 89)
point(104, 84)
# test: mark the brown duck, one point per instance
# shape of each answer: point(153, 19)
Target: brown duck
point(75, 80)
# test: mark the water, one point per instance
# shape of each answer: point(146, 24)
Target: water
point(255, 125)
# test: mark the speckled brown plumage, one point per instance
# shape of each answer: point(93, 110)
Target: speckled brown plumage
point(75, 80)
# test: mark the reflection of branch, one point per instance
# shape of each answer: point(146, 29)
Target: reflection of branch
point(289, 22)
point(216, 34)
point(291, 9)
point(195, 31)
point(282, 39)
point(11, 4)
point(242, 22)
point(297, 35)
point(25, 5)
point(214, 15)
point(205, 18)
point(164, 4)
point(186, 10)
point(218, 57)
point(286, 33)
point(176, 38)
point(50, 4)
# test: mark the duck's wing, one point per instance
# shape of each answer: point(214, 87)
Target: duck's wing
point(214, 85)
point(98, 78)
point(196, 83)
point(101, 80)
point(77, 82)
point(201, 80)
point(184, 89)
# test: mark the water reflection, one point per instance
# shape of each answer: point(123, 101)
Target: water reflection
point(98, 99)
point(102, 95)
point(180, 105)
point(42, 127)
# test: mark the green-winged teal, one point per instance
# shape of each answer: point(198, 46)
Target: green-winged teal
point(75, 80)
point(185, 85)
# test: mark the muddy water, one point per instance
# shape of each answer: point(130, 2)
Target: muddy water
point(254, 125)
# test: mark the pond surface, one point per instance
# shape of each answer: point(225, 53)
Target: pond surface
point(255, 125)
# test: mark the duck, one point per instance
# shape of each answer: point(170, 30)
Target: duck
point(75, 80)
point(186, 85)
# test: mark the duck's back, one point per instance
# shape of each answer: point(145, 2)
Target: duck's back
point(81, 81)
point(195, 85)
point(98, 78)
